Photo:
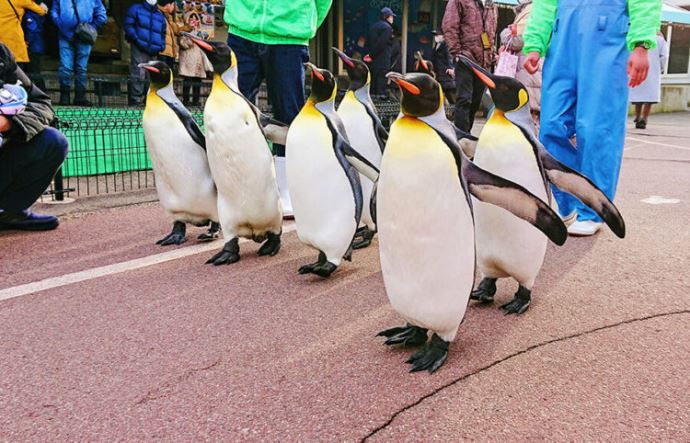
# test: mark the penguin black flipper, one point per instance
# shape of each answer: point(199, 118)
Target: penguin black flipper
point(185, 117)
point(360, 163)
point(460, 134)
point(273, 130)
point(379, 131)
point(372, 201)
point(572, 182)
point(503, 193)
point(498, 191)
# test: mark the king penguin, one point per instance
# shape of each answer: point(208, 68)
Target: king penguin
point(422, 65)
point(507, 146)
point(177, 149)
point(324, 185)
point(365, 131)
point(426, 228)
point(240, 160)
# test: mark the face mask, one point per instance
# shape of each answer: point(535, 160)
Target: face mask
point(438, 38)
point(151, 2)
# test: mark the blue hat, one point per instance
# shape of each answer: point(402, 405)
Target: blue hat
point(387, 12)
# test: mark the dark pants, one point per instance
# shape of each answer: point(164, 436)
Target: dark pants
point(137, 76)
point(469, 91)
point(282, 66)
point(33, 69)
point(74, 57)
point(378, 79)
point(26, 168)
point(193, 83)
point(168, 61)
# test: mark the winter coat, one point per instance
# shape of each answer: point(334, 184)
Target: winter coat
point(440, 57)
point(282, 22)
point(90, 11)
point(11, 33)
point(381, 45)
point(38, 113)
point(192, 59)
point(33, 32)
point(464, 21)
point(172, 32)
point(145, 27)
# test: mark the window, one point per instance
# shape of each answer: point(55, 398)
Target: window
point(679, 58)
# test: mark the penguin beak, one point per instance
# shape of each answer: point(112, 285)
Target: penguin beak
point(420, 60)
point(315, 72)
point(404, 85)
point(203, 44)
point(480, 72)
point(346, 60)
point(149, 67)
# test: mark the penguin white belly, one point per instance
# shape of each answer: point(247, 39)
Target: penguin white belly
point(321, 194)
point(507, 245)
point(242, 167)
point(360, 132)
point(183, 180)
point(426, 234)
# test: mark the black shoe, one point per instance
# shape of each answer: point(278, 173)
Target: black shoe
point(27, 221)
point(64, 96)
point(641, 124)
point(80, 98)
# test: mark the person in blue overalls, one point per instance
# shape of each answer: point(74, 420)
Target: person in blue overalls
point(594, 49)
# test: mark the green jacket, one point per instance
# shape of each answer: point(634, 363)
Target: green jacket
point(276, 22)
point(645, 18)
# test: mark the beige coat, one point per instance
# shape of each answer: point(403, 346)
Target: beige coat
point(192, 59)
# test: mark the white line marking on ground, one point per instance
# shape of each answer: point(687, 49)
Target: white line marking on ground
point(116, 268)
point(658, 200)
point(684, 148)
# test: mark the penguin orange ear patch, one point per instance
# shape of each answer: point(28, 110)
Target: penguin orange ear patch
point(409, 87)
point(484, 78)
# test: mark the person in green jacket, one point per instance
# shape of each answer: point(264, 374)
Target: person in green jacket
point(270, 40)
point(594, 49)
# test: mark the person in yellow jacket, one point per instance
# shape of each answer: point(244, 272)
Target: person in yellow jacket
point(11, 33)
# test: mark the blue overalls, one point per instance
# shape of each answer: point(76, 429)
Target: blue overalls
point(585, 93)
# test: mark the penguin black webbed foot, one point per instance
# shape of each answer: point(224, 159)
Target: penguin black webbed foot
point(228, 255)
point(212, 233)
point(366, 236)
point(309, 269)
point(321, 269)
point(485, 291)
point(520, 303)
point(176, 237)
point(431, 356)
point(271, 246)
point(409, 335)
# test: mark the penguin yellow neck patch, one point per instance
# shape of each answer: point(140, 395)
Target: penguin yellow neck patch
point(523, 98)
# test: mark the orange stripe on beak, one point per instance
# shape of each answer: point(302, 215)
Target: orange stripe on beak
point(203, 45)
point(484, 78)
point(409, 87)
point(152, 69)
point(317, 74)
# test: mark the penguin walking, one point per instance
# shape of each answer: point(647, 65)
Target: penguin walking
point(365, 132)
point(507, 146)
point(177, 149)
point(323, 183)
point(240, 160)
point(425, 222)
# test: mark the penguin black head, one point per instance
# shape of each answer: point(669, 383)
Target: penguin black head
point(159, 72)
point(323, 85)
point(357, 70)
point(508, 94)
point(421, 65)
point(219, 54)
point(421, 94)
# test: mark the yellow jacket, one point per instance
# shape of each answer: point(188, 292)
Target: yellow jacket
point(11, 33)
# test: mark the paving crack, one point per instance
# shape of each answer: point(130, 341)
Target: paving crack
point(509, 357)
point(165, 389)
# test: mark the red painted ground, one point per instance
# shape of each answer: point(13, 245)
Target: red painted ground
point(181, 351)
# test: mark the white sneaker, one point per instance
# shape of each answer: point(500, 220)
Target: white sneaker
point(584, 228)
point(281, 178)
point(569, 219)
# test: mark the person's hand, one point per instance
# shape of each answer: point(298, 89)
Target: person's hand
point(5, 123)
point(638, 66)
point(451, 72)
point(532, 63)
